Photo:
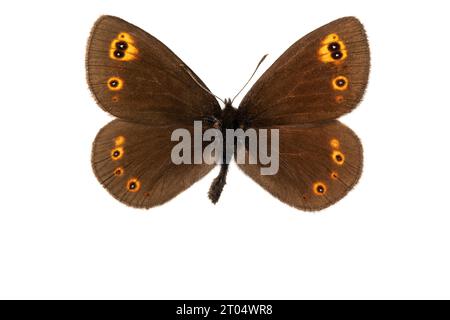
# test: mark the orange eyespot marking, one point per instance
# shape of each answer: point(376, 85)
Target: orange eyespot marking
point(319, 188)
point(339, 99)
point(122, 48)
point(332, 49)
point(120, 140)
point(338, 157)
point(334, 175)
point(118, 171)
point(125, 37)
point(334, 143)
point(340, 83)
point(115, 99)
point(117, 153)
point(133, 185)
point(115, 83)
point(333, 37)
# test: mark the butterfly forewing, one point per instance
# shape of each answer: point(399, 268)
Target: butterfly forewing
point(320, 77)
point(136, 77)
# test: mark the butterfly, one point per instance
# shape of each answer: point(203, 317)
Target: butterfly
point(151, 92)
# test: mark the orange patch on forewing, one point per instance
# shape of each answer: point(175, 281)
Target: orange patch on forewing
point(115, 83)
point(338, 157)
point(333, 37)
point(130, 53)
point(340, 83)
point(133, 185)
point(319, 188)
point(119, 140)
point(334, 143)
point(123, 36)
point(325, 55)
point(117, 153)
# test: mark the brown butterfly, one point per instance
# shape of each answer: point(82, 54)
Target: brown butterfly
point(136, 78)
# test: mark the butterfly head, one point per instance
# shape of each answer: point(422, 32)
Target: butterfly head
point(228, 102)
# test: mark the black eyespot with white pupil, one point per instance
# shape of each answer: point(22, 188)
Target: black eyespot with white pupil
point(336, 55)
point(119, 54)
point(340, 82)
point(338, 158)
point(320, 189)
point(132, 185)
point(116, 153)
point(114, 83)
point(334, 46)
point(121, 45)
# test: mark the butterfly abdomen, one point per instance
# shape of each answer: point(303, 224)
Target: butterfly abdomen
point(218, 183)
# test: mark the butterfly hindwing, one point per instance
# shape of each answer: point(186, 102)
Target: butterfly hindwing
point(135, 77)
point(318, 165)
point(133, 162)
point(320, 77)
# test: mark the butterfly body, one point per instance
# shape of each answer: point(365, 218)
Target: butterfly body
point(228, 117)
point(152, 92)
point(228, 121)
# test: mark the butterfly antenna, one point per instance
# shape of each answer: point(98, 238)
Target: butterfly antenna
point(199, 84)
point(256, 69)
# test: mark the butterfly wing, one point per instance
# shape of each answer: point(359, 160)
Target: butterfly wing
point(135, 77)
point(133, 162)
point(318, 165)
point(320, 77)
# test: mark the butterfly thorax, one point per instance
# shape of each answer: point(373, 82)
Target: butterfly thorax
point(228, 121)
point(229, 113)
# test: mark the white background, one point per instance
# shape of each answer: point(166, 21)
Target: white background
point(63, 236)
